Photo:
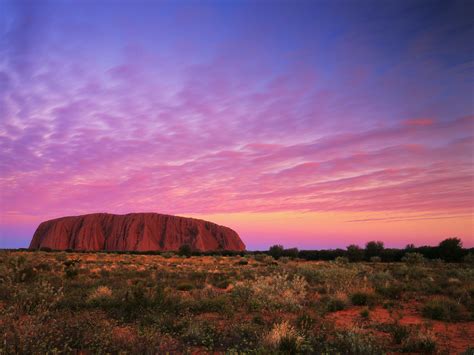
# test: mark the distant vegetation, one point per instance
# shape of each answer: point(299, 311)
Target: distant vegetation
point(450, 250)
point(258, 303)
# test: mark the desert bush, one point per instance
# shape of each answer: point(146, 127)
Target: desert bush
point(413, 258)
point(398, 332)
point(451, 249)
point(373, 249)
point(363, 298)
point(279, 290)
point(305, 322)
point(219, 280)
point(220, 304)
point(185, 250)
point(364, 313)
point(285, 338)
point(354, 342)
point(442, 308)
point(334, 304)
point(184, 286)
point(242, 262)
point(469, 259)
point(342, 260)
point(200, 333)
point(355, 253)
point(276, 251)
point(242, 293)
point(375, 259)
point(100, 293)
point(419, 340)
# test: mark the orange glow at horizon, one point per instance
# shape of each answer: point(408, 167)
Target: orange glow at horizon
point(313, 230)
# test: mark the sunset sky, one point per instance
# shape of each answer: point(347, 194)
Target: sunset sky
point(312, 124)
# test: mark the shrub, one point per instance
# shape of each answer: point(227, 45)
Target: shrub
point(184, 286)
point(259, 257)
point(362, 298)
point(399, 332)
point(185, 250)
point(451, 249)
point(71, 272)
point(279, 290)
point(373, 248)
point(100, 293)
point(375, 259)
point(291, 253)
point(355, 253)
point(342, 260)
point(305, 322)
point(276, 251)
point(442, 308)
point(469, 259)
point(242, 262)
point(420, 341)
point(364, 313)
point(284, 337)
point(334, 304)
point(413, 258)
point(219, 280)
point(353, 342)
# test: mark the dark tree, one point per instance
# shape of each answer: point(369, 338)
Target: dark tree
point(355, 253)
point(291, 252)
point(185, 250)
point(276, 251)
point(451, 249)
point(373, 248)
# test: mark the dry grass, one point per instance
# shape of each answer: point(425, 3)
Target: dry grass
point(119, 303)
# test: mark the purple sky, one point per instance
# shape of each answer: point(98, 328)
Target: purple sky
point(285, 120)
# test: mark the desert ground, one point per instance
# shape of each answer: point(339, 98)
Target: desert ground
point(58, 302)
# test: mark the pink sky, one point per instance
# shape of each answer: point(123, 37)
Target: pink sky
point(290, 131)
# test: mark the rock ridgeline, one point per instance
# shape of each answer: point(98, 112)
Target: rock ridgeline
point(134, 232)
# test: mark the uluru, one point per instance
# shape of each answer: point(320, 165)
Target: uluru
point(134, 232)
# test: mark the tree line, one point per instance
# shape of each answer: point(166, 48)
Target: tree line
point(450, 250)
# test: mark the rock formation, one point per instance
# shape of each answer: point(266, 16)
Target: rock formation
point(134, 232)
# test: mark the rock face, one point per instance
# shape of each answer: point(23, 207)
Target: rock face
point(134, 232)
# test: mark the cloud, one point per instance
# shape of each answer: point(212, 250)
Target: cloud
point(229, 123)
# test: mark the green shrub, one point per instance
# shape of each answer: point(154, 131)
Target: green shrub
point(185, 250)
point(334, 304)
point(362, 298)
point(352, 342)
point(184, 286)
point(392, 291)
point(276, 251)
point(365, 313)
point(305, 322)
point(219, 280)
point(469, 259)
point(442, 308)
point(342, 260)
point(413, 258)
point(399, 332)
point(419, 341)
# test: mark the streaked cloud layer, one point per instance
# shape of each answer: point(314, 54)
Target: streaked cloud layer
point(305, 123)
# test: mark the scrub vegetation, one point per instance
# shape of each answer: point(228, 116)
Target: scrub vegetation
point(70, 302)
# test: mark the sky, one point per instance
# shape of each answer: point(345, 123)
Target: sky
point(311, 124)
